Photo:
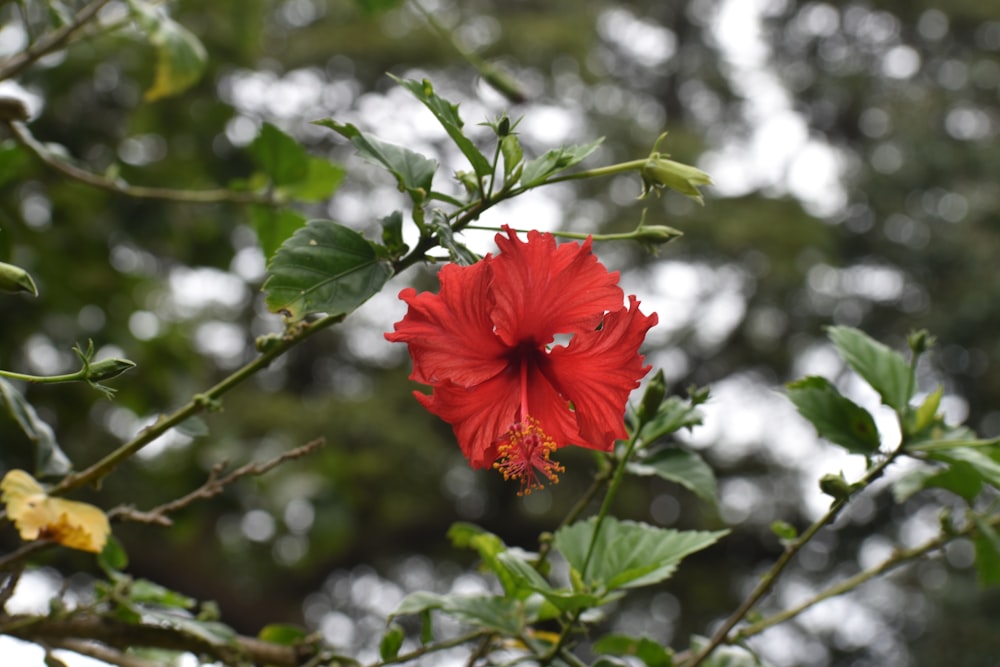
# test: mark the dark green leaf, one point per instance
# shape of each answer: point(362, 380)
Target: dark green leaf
point(392, 234)
point(274, 226)
point(513, 156)
point(50, 460)
point(884, 369)
point(682, 467)
point(987, 544)
point(414, 173)
point(459, 254)
point(447, 114)
point(278, 155)
point(180, 57)
point(629, 554)
point(391, 642)
point(554, 161)
point(324, 268)
point(650, 652)
point(672, 415)
point(212, 632)
point(836, 418)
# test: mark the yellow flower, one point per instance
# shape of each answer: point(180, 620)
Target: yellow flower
point(39, 516)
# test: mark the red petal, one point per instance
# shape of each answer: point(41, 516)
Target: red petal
point(541, 289)
point(450, 334)
point(550, 408)
point(478, 415)
point(598, 370)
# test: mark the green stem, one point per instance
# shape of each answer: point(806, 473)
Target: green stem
point(608, 499)
point(78, 376)
point(770, 577)
point(196, 405)
point(581, 236)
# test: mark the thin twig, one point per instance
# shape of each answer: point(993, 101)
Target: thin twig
point(118, 186)
point(50, 42)
point(100, 652)
point(215, 485)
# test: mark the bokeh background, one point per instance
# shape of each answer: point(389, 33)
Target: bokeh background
point(854, 151)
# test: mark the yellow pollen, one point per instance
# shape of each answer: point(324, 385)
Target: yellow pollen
point(524, 452)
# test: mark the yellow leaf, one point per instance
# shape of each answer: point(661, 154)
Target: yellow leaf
point(38, 516)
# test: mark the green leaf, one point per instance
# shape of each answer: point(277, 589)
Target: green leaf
point(112, 557)
point(279, 156)
point(672, 415)
point(414, 173)
point(447, 114)
point(324, 268)
point(984, 460)
point(458, 252)
point(144, 591)
point(284, 634)
point(554, 161)
point(487, 545)
point(492, 612)
point(987, 545)
point(274, 226)
point(836, 418)
point(391, 642)
point(958, 477)
point(884, 369)
point(193, 427)
point(513, 157)
point(785, 531)
point(211, 632)
point(682, 467)
point(628, 554)
point(50, 460)
point(392, 234)
point(180, 57)
point(650, 652)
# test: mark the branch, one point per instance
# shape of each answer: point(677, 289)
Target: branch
point(117, 634)
point(899, 557)
point(769, 578)
point(25, 139)
point(52, 41)
point(212, 487)
point(100, 652)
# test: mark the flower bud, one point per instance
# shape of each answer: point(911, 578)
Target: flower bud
point(108, 368)
point(651, 400)
point(835, 486)
point(15, 279)
point(656, 234)
point(660, 172)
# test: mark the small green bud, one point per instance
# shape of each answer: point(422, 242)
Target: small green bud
point(685, 179)
point(107, 369)
point(15, 279)
point(656, 234)
point(653, 398)
point(920, 341)
point(659, 172)
point(835, 486)
point(468, 181)
point(785, 531)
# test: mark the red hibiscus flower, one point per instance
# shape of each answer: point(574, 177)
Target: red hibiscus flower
point(484, 344)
